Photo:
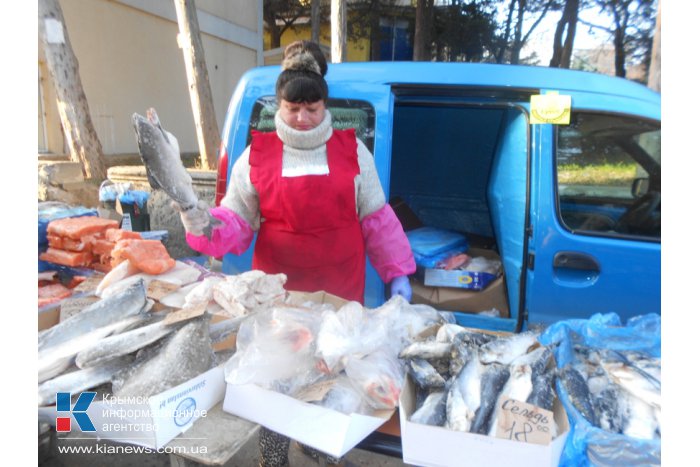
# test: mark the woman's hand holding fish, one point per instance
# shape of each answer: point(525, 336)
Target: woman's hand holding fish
point(195, 219)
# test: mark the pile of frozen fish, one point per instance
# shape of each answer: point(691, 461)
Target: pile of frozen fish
point(618, 391)
point(121, 341)
point(345, 359)
point(460, 374)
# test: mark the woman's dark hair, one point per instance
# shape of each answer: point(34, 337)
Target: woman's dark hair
point(303, 69)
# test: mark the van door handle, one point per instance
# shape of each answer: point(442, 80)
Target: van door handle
point(575, 260)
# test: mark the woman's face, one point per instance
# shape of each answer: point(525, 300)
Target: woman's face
point(302, 116)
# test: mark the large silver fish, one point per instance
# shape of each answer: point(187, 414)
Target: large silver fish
point(493, 379)
point(424, 374)
point(432, 411)
point(101, 313)
point(81, 380)
point(183, 355)
point(160, 153)
point(465, 395)
point(122, 344)
point(57, 359)
point(506, 349)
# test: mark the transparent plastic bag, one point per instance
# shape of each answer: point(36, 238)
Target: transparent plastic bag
point(379, 378)
point(344, 397)
point(275, 350)
point(349, 332)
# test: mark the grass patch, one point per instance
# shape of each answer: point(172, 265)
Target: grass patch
point(602, 174)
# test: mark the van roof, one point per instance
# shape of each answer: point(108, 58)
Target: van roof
point(486, 75)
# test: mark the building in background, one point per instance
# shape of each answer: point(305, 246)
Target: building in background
point(129, 61)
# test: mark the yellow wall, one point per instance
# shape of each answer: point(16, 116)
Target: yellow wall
point(129, 61)
point(358, 51)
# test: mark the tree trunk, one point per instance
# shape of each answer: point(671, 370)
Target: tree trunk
point(654, 81)
point(198, 79)
point(316, 21)
point(518, 39)
point(338, 31)
point(561, 55)
point(506, 33)
point(81, 137)
point(570, 35)
point(272, 27)
point(421, 37)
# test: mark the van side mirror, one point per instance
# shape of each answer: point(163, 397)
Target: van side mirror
point(640, 186)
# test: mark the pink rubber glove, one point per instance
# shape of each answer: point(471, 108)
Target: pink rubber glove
point(234, 235)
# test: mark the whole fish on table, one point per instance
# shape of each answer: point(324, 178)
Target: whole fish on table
point(81, 380)
point(98, 314)
point(184, 354)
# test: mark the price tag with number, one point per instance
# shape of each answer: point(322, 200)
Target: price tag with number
point(520, 421)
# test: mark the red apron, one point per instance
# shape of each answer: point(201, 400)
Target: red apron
point(309, 226)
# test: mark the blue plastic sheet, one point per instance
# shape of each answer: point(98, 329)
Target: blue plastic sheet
point(135, 197)
point(431, 245)
point(587, 444)
point(49, 211)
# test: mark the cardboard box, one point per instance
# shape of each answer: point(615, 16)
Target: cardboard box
point(151, 422)
point(327, 430)
point(457, 278)
point(472, 301)
point(437, 446)
point(494, 295)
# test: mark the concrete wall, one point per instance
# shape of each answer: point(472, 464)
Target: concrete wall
point(129, 60)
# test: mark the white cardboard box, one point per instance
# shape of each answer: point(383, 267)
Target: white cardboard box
point(327, 430)
point(434, 446)
point(154, 421)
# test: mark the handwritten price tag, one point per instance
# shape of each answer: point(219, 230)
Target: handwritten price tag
point(520, 421)
point(185, 313)
point(159, 289)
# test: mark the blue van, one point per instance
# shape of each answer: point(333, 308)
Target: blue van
point(573, 210)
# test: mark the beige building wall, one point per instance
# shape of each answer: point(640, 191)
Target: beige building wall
point(129, 60)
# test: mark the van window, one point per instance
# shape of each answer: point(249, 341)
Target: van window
point(346, 113)
point(609, 175)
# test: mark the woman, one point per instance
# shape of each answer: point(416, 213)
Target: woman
point(313, 195)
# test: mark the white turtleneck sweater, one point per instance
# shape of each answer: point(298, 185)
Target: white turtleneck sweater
point(304, 153)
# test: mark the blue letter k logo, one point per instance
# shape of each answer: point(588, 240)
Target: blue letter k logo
point(79, 409)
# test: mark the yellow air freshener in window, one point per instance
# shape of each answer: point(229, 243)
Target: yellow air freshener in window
point(550, 108)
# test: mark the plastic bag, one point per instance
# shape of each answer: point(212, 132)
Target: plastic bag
point(275, 349)
point(586, 443)
point(109, 191)
point(379, 378)
point(345, 398)
point(137, 197)
point(349, 332)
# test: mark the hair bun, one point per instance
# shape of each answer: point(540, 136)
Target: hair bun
point(301, 61)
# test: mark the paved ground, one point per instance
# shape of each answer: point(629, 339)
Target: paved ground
point(247, 456)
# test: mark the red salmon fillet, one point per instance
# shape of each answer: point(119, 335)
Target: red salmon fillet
point(114, 235)
point(66, 258)
point(65, 243)
point(77, 227)
point(53, 293)
point(150, 256)
point(103, 247)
